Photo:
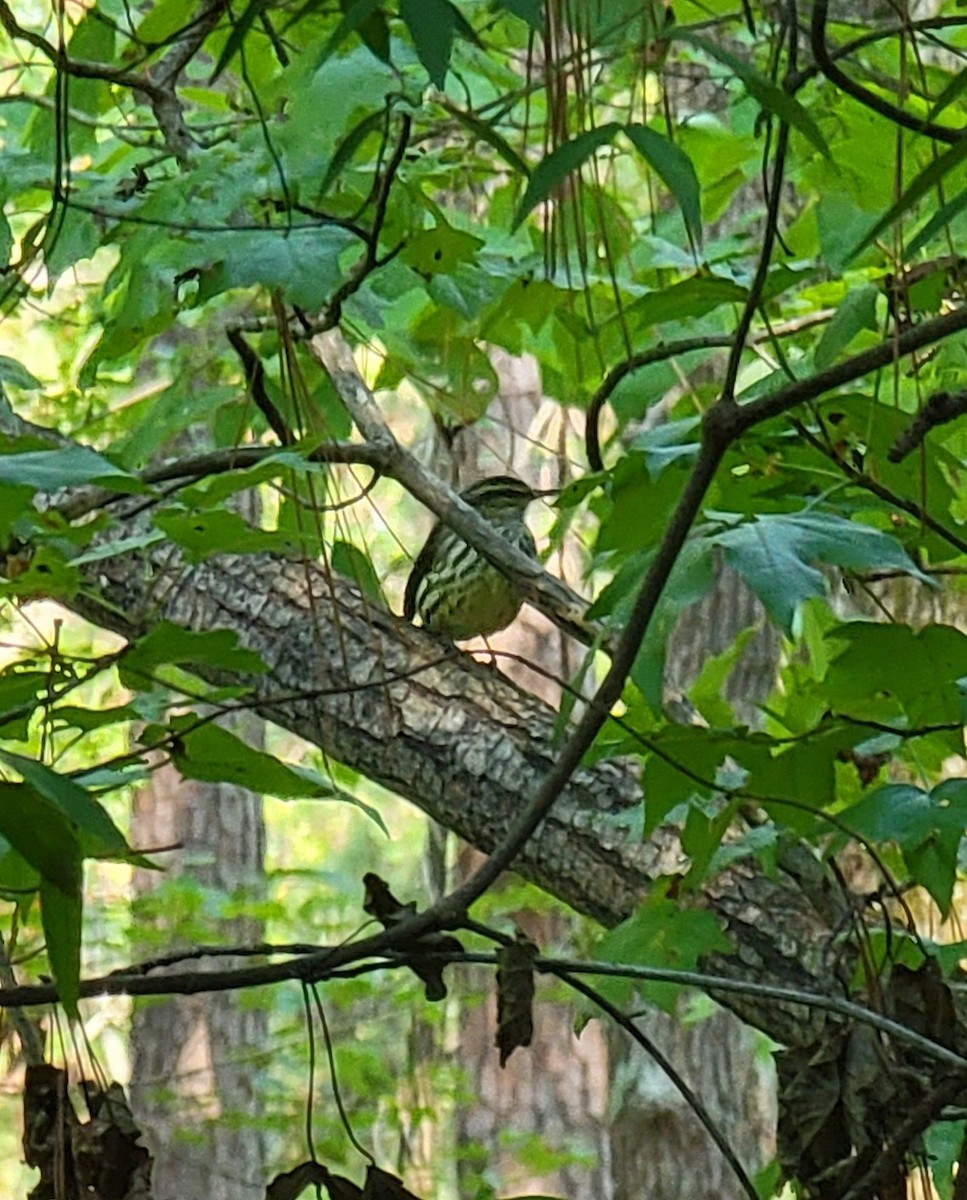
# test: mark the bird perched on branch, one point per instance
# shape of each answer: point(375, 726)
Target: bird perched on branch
point(452, 588)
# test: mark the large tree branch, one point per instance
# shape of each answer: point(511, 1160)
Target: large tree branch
point(465, 744)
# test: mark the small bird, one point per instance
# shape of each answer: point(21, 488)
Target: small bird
point(452, 588)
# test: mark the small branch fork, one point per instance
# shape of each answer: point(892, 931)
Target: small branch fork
point(157, 85)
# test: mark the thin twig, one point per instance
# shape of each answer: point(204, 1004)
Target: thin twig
point(871, 100)
point(665, 1065)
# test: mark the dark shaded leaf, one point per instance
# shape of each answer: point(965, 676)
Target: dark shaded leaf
point(40, 832)
point(675, 169)
point(290, 1184)
point(530, 11)
point(236, 39)
point(350, 561)
point(60, 915)
point(16, 374)
point(100, 837)
point(551, 172)
point(432, 25)
point(380, 1185)
point(373, 123)
point(380, 903)
point(515, 995)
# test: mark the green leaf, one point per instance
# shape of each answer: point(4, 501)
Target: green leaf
point(888, 672)
point(432, 25)
point(119, 548)
point(690, 578)
point(213, 754)
point(61, 917)
point(100, 837)
point(551, 172)
point(350, 561)
point(439, 251)
point(16, 374)
point(707, 692)
point(660, 933)
point(774, 554)
point(304, 263)
point(48, 575)
point(170, 643)
point(690, 298)
point(40, 832)
point(373, 30)
point(374, 122)
point(78, 237)
point(357, 17)
point(218, 531)
point(702, 836)
point(682, 755)
point(50, 470)
point(954, 89)
point(236, 39)
point(798, 779)
point(19, 690)
point(855, 313)
point(17, 876)
point(164, 18)
point(71, 716)
point(669, 443)
point(924, 183)
point(486, 132)
point(938, 220)
point(927, 827)
point(677, 172)
point(772, 98)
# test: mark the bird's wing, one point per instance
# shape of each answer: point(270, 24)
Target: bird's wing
point(420, 568)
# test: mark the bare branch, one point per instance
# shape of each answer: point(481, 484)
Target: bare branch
point(940, 408)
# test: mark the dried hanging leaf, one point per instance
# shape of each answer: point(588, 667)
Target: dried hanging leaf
point(48, 1118)
point(108, 1159)
point(381, 1185)
point(922, 1001)
point(380, 903)
point(515, 995)
point(100, 1157)
point(291, 1184)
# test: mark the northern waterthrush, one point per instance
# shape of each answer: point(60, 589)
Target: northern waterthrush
point(452, 588)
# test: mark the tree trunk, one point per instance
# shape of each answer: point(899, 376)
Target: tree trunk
point(659, 1149)
point(658, 1146)
point(197, 1060)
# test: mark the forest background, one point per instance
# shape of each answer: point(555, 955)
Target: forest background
point(276, 276)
